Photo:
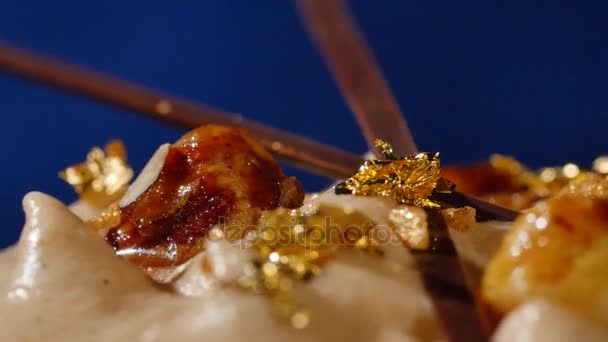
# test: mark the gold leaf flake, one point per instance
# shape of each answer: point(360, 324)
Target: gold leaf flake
point(409, 180)
point(386, 148)
point(103, 177)
point(291, 246)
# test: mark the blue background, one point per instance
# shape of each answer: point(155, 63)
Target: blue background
point(528, 78)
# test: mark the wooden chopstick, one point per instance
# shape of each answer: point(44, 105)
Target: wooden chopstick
point(353, 66)
point(366, 91)
point(378, 115)
point(300, 151)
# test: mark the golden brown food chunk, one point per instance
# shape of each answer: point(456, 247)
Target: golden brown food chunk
point(480, 179)
point(292, 195)
point(557, 250)
point(460, 219)
point(213, 175)
point(509, 183)
point(491, 184)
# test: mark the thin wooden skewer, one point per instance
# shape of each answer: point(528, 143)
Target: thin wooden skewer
point(377, 112)
point(353, 65)
point(378, 115)
point(298, 150)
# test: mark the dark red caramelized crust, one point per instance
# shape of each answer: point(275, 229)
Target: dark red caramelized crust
point(212, 175)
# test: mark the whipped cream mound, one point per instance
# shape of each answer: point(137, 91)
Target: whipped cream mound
point(63, 282)
point(7, 261)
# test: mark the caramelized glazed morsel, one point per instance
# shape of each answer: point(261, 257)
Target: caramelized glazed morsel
point(491, 184)
point(292, 195)
point(558, 250)
point(480, 179)
point(213, 175)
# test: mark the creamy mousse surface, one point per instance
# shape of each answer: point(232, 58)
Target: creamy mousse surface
point(63, 282)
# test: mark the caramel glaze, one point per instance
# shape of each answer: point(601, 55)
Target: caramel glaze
point(484, 181)
point(480, 179)
point(213, 175)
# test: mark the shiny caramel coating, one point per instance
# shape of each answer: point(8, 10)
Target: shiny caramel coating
point(557, 250)
point(213, 175)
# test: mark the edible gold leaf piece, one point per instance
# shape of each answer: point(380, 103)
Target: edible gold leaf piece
point(103, 177)
point(291, 246)
point(409, 180)
point(386, 148)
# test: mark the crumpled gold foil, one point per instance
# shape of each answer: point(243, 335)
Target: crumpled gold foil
point(292, 247)
point(103, 177)
point(409, 180)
